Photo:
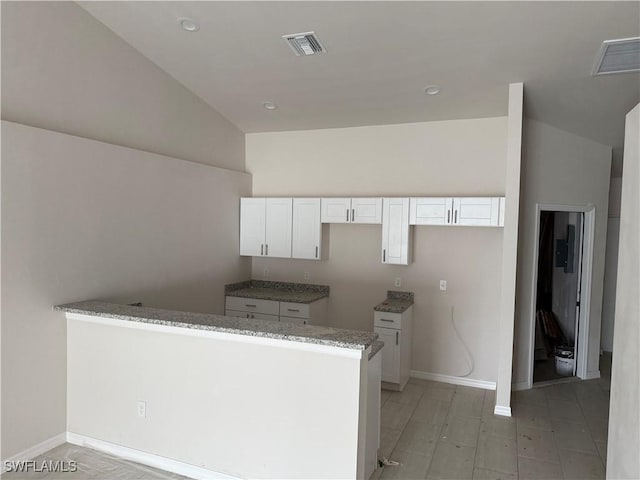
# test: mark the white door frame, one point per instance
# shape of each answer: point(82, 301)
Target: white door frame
point(585, 284)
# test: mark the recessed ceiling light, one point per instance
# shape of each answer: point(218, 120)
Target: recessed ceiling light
point(269, 105)
point(188, 25)
point(432, 89)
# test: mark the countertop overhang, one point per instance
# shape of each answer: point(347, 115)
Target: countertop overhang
point(333, 337)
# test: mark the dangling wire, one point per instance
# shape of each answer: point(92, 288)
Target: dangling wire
point(466, 349)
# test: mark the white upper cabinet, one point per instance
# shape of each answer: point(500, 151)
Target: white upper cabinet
point(430, 211)
point(464, 211)
point(478, 211)
point(352, 210)
point(336, 210)
point(278, 227)
point(265, 227)
point(252, 226)
point(307, 228)
point(396, 248)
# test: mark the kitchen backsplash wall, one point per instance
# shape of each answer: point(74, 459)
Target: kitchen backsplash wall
point(461, 157)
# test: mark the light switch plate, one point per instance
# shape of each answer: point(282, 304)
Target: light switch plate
point(443, 285)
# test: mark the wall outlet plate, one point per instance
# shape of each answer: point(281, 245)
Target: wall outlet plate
point(398, 282)
point(142, 408)
point(443, 285)
point(307, 275)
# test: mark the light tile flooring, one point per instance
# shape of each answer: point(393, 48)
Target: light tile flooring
point(440, 431)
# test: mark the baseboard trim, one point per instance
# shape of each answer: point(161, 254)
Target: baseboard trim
point(592, 375)
point(467, 382)
point(520, 386)
point(32, 452)
point(503, 411)
point(156, 461)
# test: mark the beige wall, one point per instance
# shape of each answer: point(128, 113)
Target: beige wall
point(83, 219)
point(562, 169)
point(247, 407)
point(463, 157)
point(624, 419)
point(62, 70)
point(611, 265)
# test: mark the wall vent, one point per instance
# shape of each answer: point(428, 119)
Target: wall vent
point(618, 56)
point(304, 43)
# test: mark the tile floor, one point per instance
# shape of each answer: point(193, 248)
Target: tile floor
point(441, 431)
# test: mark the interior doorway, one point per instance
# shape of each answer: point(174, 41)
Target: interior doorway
point(560, 320)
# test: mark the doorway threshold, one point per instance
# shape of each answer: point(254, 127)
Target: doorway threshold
point(555, 381)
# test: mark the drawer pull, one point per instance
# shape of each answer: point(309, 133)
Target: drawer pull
point(455, 217)
point(262, 249)
point(347, 214)
point(293, 310)
point(247, 305)
point(353, 214)
point(397, 335)
point(386, 320)
point(316, 252)
point(266, 249)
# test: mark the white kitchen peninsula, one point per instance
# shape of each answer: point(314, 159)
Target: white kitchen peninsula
point(240, 397)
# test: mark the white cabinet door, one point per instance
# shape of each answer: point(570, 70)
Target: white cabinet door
point(336, 210)
point(395, 231)
point(390, 354)
point(366, 210)
point(278, 227)
point(307, 229)
point(430, 211)
point(252, 226)
point(476, 211)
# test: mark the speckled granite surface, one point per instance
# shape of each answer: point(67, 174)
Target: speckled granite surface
point(396, 302)
point(218, 323)
point(278, 291)
point(375, 348)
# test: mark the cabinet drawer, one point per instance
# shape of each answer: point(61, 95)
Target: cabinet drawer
point(387, 320)
point(293, 320)
point(253, 305)
point(256, 316)
point(298, 310)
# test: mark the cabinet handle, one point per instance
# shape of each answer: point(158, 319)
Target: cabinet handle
point(397, 335)
point(262, 249)
point(455, 217)
point(386, 320)
point(247, 305)
point(292, 310)
point(448, 216)
point(353, 214)
point(266, 249)
point(347, 214)
point(384, 255)
point(316, 252)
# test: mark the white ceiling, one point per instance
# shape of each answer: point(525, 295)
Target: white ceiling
point(381, 55)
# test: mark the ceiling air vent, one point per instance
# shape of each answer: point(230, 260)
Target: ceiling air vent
point(618, 56)
point(304, 43)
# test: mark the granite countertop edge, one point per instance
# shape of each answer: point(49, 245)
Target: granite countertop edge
point(277, 291)
point(350, 339)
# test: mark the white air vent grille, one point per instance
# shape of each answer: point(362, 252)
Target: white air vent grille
point(304, 43)
point(618, 56)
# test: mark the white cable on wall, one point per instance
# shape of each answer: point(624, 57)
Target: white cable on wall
point(466, 349)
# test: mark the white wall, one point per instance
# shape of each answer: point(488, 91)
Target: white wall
point(559, 168)
point(62, 70)
point(623, 461)
point(83, 219)
point(246, 407)
point(611, 265)
point(463, 157)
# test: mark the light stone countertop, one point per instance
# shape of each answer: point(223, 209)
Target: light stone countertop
point(318, 335)
point(277, 291)
point(396, 302)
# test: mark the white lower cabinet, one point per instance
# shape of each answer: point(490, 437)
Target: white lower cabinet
point(395, 330)
point(314, 313)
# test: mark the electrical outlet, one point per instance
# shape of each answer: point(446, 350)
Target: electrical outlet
point(307, 275)
point(265, 272)
point(142, 408)
point(398, 282)
point(443, 285)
